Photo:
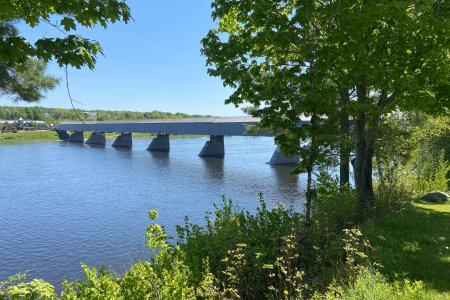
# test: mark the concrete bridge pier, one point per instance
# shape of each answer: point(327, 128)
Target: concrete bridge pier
point(279, 158)
point(97, 138)
point(76, 137)
point(123, 140)
point(214, 147)
point(161, 143)
point(63, 135)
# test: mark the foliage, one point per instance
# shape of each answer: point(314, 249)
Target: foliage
point(335, 207)
point(287, 278)
point(432, 175)
point(411, 159)
point(432, 154)
point(356, 248)
point(395, 192)
point(370, 284)
point(432, 135)
point(15, 288)
point(261, 233)
point(60, 114)
point(67, 17)
point(163, 277)
point(395, 145)
point(26, 82)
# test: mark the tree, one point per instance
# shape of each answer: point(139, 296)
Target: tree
point(26, 82)
point(28, 85)
point(256, 50)
point(330, 59)
point(66, 16)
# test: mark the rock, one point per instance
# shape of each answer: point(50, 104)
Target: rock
point(435, 197)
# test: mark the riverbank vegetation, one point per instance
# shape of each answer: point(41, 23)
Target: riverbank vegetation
point(52, 136)
point(28, 136)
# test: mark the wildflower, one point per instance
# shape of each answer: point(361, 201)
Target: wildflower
point(285, 292)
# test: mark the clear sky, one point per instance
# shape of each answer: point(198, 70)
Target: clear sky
point(152, 63)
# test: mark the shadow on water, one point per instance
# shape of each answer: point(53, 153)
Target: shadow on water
point(124, 152)
point(71, 144)
point(160, 158)
point(94, 146)
point(287, 183)
point(214, 167)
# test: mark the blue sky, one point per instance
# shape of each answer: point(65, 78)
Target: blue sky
point(152, 63)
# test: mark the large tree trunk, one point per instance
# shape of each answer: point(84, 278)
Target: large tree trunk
point(364, 151)
point(344, 141)
point(309, 169)
point(309, 194)
point(365, 138)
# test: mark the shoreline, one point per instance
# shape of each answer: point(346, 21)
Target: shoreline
point(8, 138)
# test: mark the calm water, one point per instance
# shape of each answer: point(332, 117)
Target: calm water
point(62, 204)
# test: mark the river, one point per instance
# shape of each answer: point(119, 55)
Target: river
point(62, 203)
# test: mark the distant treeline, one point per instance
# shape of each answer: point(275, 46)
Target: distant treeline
point(61, 114)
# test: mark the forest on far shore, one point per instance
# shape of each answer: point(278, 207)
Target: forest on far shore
point(56, 115)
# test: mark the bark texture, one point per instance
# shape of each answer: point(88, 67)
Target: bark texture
point(344, 141)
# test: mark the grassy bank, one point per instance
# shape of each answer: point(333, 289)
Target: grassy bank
point(414, 244)
point(51, 136)
point(28, 136)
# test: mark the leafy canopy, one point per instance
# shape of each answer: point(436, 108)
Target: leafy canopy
point(67, 16)
point(24, 82)
point(294, 57)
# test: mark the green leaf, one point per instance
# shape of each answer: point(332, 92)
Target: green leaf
point(68, 24)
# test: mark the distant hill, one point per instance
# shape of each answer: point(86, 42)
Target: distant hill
point(56, 115)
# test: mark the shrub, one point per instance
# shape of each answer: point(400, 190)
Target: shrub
point(432, 174)
point(371, 285)
point(395, 192)
point(334, 207)
point(14, 287)
point(164, 277)
point(261, 233)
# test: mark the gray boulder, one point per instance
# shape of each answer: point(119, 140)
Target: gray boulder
point(435, 197)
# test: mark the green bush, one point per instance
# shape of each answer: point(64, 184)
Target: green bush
point(432, 154)
point(262, 233)
point(334, 207)
point(14, 287)
point(395, 192)
point(163, 277)
point(432, 174)
point(371, 285)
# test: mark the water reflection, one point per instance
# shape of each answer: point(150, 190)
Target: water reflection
point(214, 168)
point(160, 158)
point(288, 186)
point(69, 144)
point(96, 146)
point(123, 152)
